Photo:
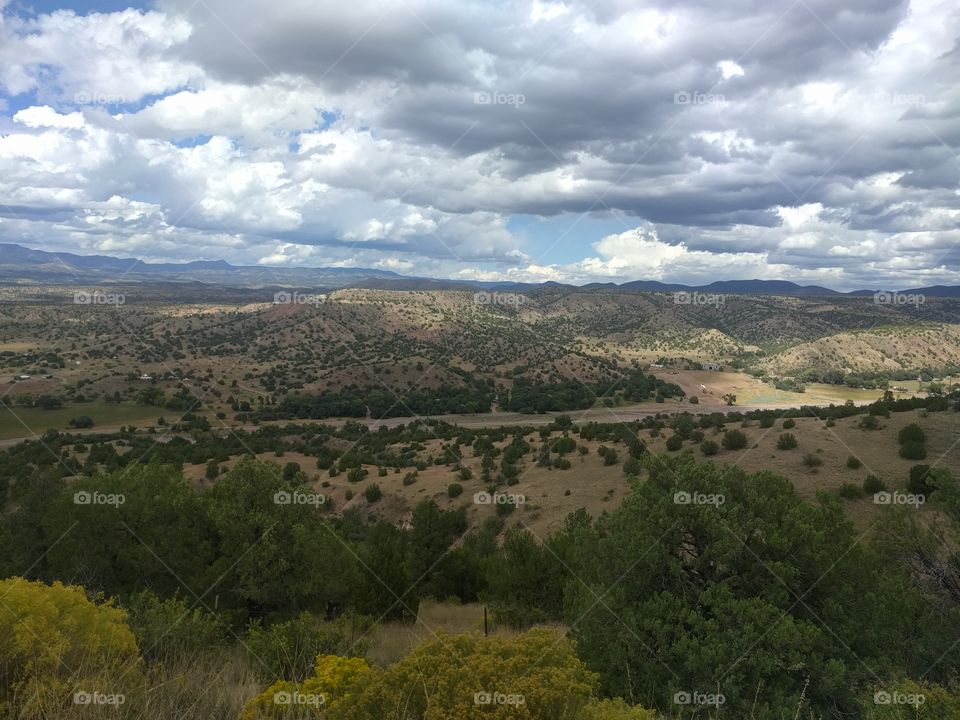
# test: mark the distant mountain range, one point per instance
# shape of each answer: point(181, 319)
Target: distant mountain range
point(19, 264)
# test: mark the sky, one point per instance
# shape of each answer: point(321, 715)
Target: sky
point(581, 141)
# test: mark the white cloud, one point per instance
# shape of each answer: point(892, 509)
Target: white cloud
point(45, 116)
point(316, 134)
point(730, 68)
point(540, 10)
point(116, 56)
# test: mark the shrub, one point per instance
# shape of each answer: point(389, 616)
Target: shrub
point(734, 440)
point(454, 490)
point(609, 455)
point(850, 491)
point(356, 474)
point(172, 630)
point(872, 485)
point(674, 443)
point(694, 400)
point(938, 701)
point(55, 642)
point(544, 459)
point(786, 441)
point(631, 466)
point(709, 447)
point(789, 424)
point(372, 493)
point(561, 463)
point(554, 682)
point(869, 422)
point(83, 421)
point(911, 433)
point(616, 709)
point(913, 450)
point(766, 421)
point(289, 649)
point(409, 479)
point(538, 666)
point(918, 481)
point(335, 679)
point(854, 463)
point(812, 461)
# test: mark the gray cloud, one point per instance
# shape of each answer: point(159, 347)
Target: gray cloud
point(811, 135)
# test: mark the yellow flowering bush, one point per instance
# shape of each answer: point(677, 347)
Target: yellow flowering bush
point(616, 710)
point(334, 681)
point(532, 676)
point(56, 644)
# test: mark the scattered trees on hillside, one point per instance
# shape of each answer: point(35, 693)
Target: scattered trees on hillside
point(734, 440)
point(709, 573)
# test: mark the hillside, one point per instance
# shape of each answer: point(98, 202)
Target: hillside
point(886, 349)
point(444, 344)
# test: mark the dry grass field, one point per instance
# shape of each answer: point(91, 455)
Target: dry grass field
point(551, 494)
point(387, 642)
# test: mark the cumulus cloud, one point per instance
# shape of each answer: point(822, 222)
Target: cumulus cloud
point(808, 140)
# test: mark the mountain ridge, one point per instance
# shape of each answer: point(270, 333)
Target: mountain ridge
point(19, 263)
